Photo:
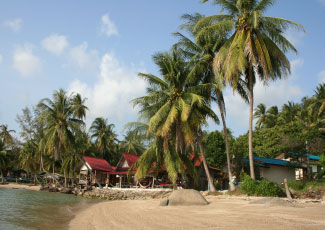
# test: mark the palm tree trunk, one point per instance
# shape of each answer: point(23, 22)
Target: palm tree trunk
point(54, 181)
point(2, 179)
point(250, 135)
point(210, 181)
point(231, 185)
point(65, 179)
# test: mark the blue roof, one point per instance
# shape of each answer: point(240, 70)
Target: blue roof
point(311, 157)
point(245, 160)
point(264, 162)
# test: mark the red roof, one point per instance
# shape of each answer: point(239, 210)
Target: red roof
point(199, 161)
point(98, 164)
point(130, 158)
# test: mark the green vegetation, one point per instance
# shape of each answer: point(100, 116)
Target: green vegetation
point(260, 188)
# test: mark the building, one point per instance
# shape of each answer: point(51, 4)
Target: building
point(100, 169)
point(275, 170)
point(304, 160)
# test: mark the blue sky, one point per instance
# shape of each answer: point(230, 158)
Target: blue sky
point(98, 47)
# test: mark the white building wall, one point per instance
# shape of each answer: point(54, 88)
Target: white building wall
point(278, 173)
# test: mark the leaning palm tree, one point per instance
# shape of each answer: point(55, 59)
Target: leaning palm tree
point(256, 48)
point(174, 108)
point(5, 134)
point(260, 115)
point(104, 135)
point(201, 53)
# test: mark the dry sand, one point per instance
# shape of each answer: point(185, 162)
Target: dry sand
point(21, 186)
point(221, 213)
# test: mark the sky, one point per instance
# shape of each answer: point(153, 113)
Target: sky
point(97, 48)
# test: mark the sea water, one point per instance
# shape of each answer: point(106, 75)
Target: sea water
point(23, 209)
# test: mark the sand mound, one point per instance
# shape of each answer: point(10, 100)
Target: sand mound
point(184, 197)
point(273, 202)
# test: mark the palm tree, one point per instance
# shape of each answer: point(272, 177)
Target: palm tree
point(260, 114)
point(132, 143)
point(272, 115)
point(5, 134)
point(58, 115)
point(105, 137)
point(3, 159)
point(78, 107)
point(290, 112)
point(175, 108)
point(256, 48)
point(317, 105)
point(201, 53)
point(29, 158)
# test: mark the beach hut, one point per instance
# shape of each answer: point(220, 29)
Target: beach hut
point(100, 168)
point(305, 160)
point(119, 177)
point(275, 170)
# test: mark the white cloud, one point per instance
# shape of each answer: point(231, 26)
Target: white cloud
point(14, 25)
point(1, 58)
point(275, 93)
point(321, 76)
point(55, 43)
point(108, 26)
point(84, 58)
point(110, 96)
point(25, 62)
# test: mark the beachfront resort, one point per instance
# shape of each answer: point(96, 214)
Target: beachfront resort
point(165, 115)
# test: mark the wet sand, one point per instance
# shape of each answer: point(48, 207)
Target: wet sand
point(221, 213)
point(21, 186)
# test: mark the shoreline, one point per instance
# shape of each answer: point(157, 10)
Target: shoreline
point(12, 185)
point(222, 213)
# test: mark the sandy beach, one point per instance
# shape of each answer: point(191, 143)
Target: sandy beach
point(21, 186)
point(221, 213)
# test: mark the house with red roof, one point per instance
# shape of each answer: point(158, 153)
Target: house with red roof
point(99, 167)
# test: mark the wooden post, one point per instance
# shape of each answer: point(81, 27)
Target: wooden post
point(153, 182)
point(287, 189)
point(120, 181)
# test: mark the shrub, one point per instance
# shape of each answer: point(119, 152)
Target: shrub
point(260, 188)
point(268, 188)
point(297, 184)
point(248, 185)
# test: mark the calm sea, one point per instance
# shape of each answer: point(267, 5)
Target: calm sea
point(23, 209)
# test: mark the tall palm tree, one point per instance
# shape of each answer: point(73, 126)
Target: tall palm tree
point(175, 108)
point(58, 115)
point(201, 53)
point(105, 136)
point(5, 134)
point(256, 48)
point(260, 115)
